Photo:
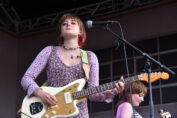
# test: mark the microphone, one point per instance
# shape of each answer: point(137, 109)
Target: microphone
point(90, 23)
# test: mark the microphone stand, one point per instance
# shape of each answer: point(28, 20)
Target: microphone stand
point(119, 42)
point(151, 104)
point(147, 65)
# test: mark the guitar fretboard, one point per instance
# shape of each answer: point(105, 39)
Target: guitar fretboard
point(103, 87)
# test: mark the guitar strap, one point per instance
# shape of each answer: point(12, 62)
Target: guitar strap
point(85, 64)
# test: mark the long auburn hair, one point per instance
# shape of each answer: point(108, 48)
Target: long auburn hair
point(137, 87)
point(82, 36)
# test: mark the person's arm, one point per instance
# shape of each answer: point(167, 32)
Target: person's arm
point(124, 111)
point(94, 80)
point(94, 77)
point(28, 80)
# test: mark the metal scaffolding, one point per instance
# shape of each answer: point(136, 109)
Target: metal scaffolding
point(11, 21)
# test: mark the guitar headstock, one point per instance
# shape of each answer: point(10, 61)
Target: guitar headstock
point(164, 113)
point(154, 76)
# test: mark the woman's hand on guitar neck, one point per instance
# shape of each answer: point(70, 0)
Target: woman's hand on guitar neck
point(45, 97)
point(119, 88)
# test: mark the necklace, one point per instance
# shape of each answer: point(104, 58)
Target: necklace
point(72, 57)
point(67, 48)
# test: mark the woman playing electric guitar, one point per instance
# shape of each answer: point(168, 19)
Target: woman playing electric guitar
point(63, 65)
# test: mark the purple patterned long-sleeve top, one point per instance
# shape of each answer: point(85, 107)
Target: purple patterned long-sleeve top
point(59, 74)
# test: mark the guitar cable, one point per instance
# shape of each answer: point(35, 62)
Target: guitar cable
point(19, 114)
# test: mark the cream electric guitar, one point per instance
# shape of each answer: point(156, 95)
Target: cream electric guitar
point(69, 95)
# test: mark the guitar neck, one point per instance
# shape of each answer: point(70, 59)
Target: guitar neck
point(107, 86)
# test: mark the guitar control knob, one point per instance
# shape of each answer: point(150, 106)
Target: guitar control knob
point(46, 116)
point(70, 111)
point(53, 112)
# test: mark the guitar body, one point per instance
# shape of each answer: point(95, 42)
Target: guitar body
point(65, 108)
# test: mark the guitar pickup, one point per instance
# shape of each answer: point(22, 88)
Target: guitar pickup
point(67, 97)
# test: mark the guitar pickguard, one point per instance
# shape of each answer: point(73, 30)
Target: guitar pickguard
point(62, 107)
